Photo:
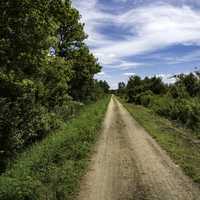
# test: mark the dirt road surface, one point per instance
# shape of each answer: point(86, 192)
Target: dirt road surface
point(129, 165)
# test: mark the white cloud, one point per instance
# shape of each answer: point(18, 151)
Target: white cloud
point(123, 1)
point(124, 65)
point(129, 74)
point(102, 73)
point(156, 28)
point(152, 27)
point(167, 78)
point(193, 56)
point(129, 65)
point(172, 58)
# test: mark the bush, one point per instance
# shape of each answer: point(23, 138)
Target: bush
point(35, 87)
point(51, 169)
point(68, 110)
point(179, 101)
point(144, 98)
point(21, 124)
point(162, 105)
point(22, 119)
point(184, 111)
point(187, 112)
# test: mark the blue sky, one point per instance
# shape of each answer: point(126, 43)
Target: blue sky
point(143, 37)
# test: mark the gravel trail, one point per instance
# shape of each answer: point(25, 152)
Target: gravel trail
point(129, 165)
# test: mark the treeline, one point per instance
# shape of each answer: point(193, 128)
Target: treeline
point(179, 101)
point(39, 87)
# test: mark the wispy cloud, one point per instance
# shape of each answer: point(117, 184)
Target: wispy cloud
point(152, 27)
point(147, 27)
point(173, 58)
point(102, 75)
point(124, 65)
point(191, 57)
point(129, 74)
point(167, 78)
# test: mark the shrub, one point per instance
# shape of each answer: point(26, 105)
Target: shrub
point(23, 118)
point(162, 105)
point(51, 169)
point(144, 98)
point(187, 111)
point(68, 110)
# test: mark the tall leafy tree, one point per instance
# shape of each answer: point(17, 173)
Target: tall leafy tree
point(134, 86)
point(34, 85)
point(71, 46)
point(85, 66)
point(121, 88)
point(104, 85)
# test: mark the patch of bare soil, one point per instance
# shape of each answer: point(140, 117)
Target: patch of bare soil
point(129, 165)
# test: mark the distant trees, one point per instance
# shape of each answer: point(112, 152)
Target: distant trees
point(104, 86)
point(121, 89)
point(84, 67)
point(179, 101)
point(35, 88)
point(136, 86)
point(190, 82)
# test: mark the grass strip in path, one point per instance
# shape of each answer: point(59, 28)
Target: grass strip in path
point(178, 142)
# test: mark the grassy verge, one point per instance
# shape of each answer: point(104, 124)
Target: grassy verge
point(181, 144)
point(52, 168)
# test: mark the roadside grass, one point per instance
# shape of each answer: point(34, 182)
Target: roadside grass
point(181, 144)
point(51, 169)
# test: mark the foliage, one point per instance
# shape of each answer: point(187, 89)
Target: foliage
point(137, 86)
point(85, 66)
point(121, 89)
point(144, 98)
point(22, 118)
point(104, 86)
point(181, 144)
point(179, 101)
point(99, 89)
point(38, 90)
point(52, 168)
point(191, 82)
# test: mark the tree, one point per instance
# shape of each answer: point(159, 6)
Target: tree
point(134, 87)
point(70, 32)
point(26, 29)
point(71, 46)
point(104, 86)
point(121, 88)
point(84, 66)
point(33, 85)
point(191, 82)
point(154, 84)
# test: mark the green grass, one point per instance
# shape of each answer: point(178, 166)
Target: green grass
point(181, 144)
point(52, 168)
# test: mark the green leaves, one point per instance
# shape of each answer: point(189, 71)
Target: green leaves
point(84, 67)
point(178, 101)
point(52, 168)
point(37, 90)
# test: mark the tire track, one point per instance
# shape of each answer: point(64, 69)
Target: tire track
point(130, 165)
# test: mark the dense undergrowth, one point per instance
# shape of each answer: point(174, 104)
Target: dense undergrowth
point(179, 102)
point(185, 111)
point(52, 168)
point(46, 71)
point(170, 113)
point(182, 144)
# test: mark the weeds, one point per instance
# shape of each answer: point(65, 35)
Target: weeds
point(52, 168)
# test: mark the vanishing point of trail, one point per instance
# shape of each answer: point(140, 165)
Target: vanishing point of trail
point(129, 165)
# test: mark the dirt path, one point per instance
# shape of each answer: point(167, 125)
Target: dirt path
point(130, 165)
